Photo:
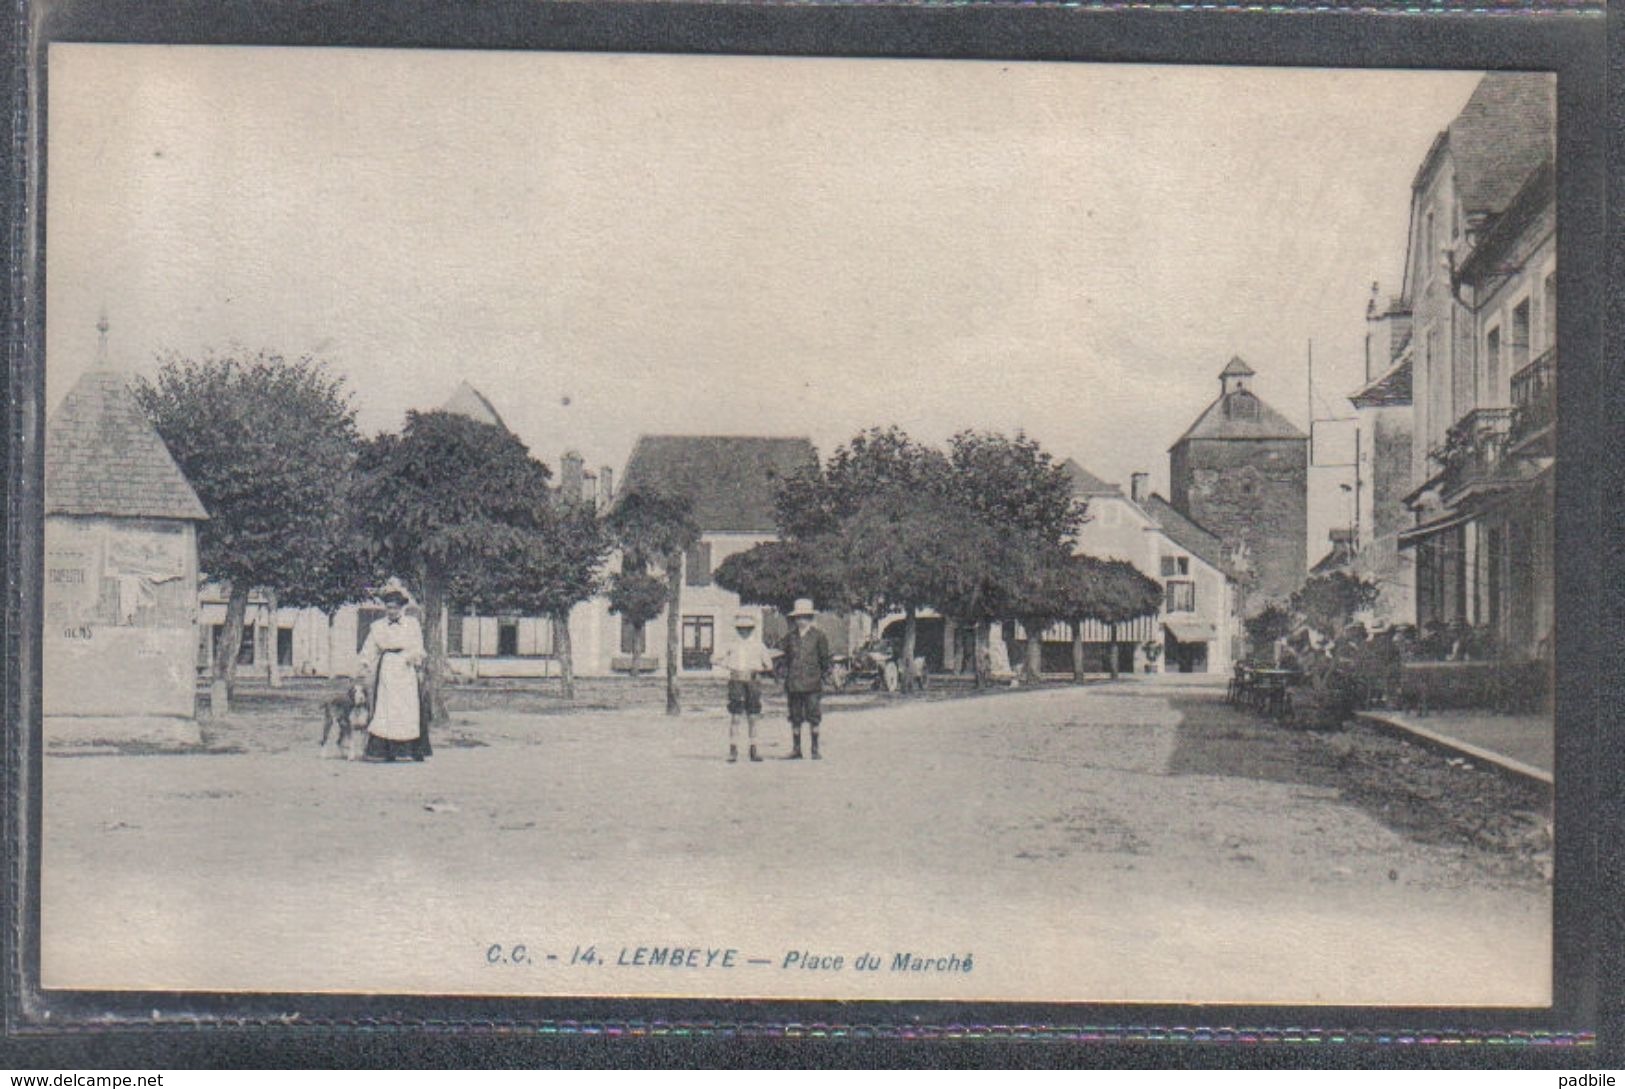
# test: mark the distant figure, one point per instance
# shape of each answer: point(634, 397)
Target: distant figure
point(807, 659)
point(391, 658)
point(746, 660)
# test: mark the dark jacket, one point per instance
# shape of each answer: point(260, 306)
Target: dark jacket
point(806, 660)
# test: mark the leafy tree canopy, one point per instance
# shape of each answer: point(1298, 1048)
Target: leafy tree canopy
point(449, 491)
point(1329, 602)
point(546, 571)
point(268, 444)
point(653, 527)
point(636, 595)
point(776, 573)
point(1015, 484)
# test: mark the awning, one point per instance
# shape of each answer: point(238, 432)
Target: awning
point(1409, 537)
point(1191, 631)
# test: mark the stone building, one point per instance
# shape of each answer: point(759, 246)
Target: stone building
point(1481, 274)
point(121, 571)
point(1241, 473)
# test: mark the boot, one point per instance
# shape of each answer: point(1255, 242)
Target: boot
point(815, 755)
point(795, 739)
point(733, 754)
point(754, 758)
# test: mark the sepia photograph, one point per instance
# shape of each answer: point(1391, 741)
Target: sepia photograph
point(711, 526)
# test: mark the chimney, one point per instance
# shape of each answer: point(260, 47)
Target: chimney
point(606, 486)
point(570, 474)
point(1136, 486)
point(589, 487)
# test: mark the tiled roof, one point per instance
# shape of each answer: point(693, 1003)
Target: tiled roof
point(1390, 388)
point(1506, 130)
point(470, 402)
point(102, 456)
point(1085, 483)
point(1186, 533)
point(1241, 414)
point(731, 479)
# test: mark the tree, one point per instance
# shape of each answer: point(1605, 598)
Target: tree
point(637, 597)
point(1270, 624)
point(653, 527)
point(876, 510)
point(545, 572)
point(1017, 489)
point(441, 500)
point(1329, 602)
point(776, 573)
point(267, 444)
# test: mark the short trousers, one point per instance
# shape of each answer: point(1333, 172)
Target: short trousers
point(744, 697)
point(806, 707)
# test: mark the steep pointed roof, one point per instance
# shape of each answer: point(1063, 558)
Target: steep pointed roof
point(1086, 484)
point(470, 402)
point(1506, 130)
point(1236, 366)
point(1241, 414)
point(102, 456)
point(732, 480)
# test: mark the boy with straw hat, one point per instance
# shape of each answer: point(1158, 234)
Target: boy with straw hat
point(745, 661)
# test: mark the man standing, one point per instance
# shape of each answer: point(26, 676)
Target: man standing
point(746, 660)
point(806, 659)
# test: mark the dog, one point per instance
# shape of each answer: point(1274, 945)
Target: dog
point(346, 710)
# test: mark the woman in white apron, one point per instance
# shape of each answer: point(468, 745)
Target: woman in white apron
point(390, 659)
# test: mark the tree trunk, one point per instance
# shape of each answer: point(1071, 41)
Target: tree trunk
point(225, 651)
point(273, 670)
point(1032, 668)
point(1111, 649)
point(1077, 652)
point(983, 654)
point(674, 649)
point(910, 632)
point(432, 586)
point(563, 650)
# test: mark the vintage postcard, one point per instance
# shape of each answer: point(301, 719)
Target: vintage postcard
point(593, 524)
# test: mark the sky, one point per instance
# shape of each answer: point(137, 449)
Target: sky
point(609, 245)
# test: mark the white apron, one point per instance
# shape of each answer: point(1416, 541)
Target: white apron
point(391, 654)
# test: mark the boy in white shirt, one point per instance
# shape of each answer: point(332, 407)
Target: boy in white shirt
point(745, 660)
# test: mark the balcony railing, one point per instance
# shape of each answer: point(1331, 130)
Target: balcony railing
point(1534, 395)
point(1474, 448)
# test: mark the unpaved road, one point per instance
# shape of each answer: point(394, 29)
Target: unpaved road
point(1127, 842)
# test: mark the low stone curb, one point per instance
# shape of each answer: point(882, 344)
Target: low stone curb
point(1465, 748)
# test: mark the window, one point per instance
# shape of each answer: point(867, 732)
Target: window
point(1175, 565)
point(1492, 367)
point(454, 631)
point(699, 641)
point(1520, 336)
point(1180, 597)
point(1551, 309)
point(697, 565)
point(507, 638)
point(245, 652)
point(284, 647)
point(632, 641)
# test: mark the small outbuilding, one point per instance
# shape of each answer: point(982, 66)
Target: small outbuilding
point(121, 572)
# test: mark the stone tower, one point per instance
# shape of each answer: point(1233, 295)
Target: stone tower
point(1242, 472)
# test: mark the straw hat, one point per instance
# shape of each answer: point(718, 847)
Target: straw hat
point(744, 620)
point(804, 607)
